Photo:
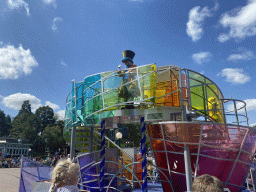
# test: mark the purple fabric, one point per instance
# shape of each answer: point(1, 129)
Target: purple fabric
point(31, 172)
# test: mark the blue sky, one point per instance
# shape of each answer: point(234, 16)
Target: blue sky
point(44, 44)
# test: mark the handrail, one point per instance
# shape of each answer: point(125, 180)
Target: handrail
point(114, 144)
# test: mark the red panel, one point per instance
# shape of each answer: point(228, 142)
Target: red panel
point(217, 142)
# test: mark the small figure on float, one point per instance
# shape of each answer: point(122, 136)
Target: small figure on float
point(131, 90)
point(213, 109)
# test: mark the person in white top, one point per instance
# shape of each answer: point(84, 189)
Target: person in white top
point(65, 177)
point(68, 157)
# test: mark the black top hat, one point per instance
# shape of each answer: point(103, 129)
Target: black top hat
point(128, 56)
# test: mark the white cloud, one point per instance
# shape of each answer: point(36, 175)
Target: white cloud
point(196, 19)
point(250, 105)
point(61, 115)
point(234, 75)
point(252, 125)
point(202, 57)
point(54, 23)
point(52, 105)
point(242, 24)
point(15, 62)
point(16, 4)
point(63, 63)
point(49, 2)
point(15, 101)
point(245, 55)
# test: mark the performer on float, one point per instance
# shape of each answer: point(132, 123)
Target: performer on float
point(213, 109)
point(130, 91)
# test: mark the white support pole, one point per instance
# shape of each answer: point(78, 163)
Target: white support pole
point(188, 168)
point(73, 142)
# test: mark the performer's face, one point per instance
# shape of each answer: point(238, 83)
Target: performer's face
point(127, 63)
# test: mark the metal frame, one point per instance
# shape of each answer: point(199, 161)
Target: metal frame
point(167, 159)
point(180, 85)
point(237, 115)
point(240, 150)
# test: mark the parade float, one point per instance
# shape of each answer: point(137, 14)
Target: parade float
point(192, 128)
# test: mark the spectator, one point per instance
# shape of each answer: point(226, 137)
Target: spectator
point(68, 157)
point(54, 161)
point(149, 153)
point(207, 183)
point(65, 177)
point(62, 157)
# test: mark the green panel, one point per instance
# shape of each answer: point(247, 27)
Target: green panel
point(147, 81)
point(106, 74)
point(212, 91)
point(111, 98)
point(79, 138)
point(198, 97)
point(93, 105)
point(110, 113)
point(208, 81)
point(195, 79)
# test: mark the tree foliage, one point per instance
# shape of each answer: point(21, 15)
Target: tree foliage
point(5, 124)
point(25, 108)
point(41, 129)
point(53, 137)
point(45, 116)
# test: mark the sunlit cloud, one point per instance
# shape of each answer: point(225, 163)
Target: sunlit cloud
point(241, 24)
point(61, 115)
point(196, 19)
point(52, 105)
point(16, 100)
point(234, 75)
point(253, 125)
point(250, 105)
point(245, 55)
point(202, 57)
point(17, 4)
point(15, 62)
point(63, 63)
point(51, 2)
point(54, 23)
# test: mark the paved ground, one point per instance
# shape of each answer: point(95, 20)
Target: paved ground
point(9, 179)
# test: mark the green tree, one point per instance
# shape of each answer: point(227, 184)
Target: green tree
point(8, 122)
point(5, 124)
point(134, 136)
point(45, 115)
point(26, 125)
point(25, 108)
point(53, 136)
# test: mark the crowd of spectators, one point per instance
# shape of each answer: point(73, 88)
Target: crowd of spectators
point(15, 162)
point(51, 160)
point(10, 162)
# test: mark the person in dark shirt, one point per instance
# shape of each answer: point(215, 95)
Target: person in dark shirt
point(131, 90)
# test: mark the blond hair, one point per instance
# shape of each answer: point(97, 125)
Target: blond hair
point(62, 172)
point(207, 183)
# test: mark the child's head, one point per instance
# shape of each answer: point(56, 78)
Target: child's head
point(65, 173)
point(207, 183)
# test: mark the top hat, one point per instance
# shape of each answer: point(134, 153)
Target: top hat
point(128, 56)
